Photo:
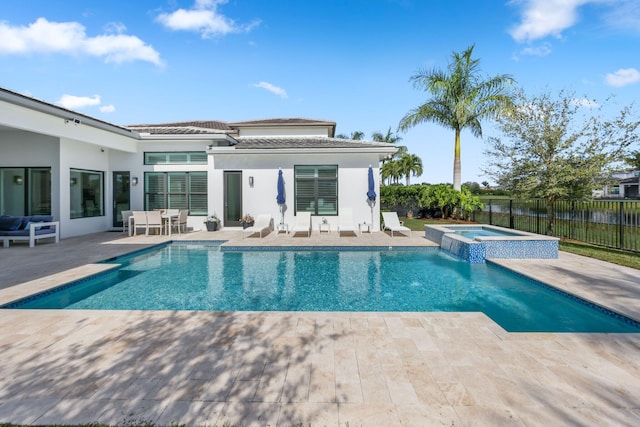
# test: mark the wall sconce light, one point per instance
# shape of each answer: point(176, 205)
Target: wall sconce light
point(17, 180)
point(73, 181)
point(134, 181)
point(250, 181)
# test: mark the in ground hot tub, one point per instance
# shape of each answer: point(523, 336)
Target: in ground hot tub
point(475, 243)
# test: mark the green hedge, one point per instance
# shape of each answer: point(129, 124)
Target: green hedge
point(429, 201)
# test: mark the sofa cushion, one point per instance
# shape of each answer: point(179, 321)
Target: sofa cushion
point(36, 218)
point(10, 223)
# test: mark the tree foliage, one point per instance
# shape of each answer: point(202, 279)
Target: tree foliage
point(460, 98)
point(440, 197)
point(556, 148)
point(633, 159)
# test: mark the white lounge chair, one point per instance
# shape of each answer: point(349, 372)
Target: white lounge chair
point(392, 223)
point(262, 223)
point(303, 224)
point(345, 221)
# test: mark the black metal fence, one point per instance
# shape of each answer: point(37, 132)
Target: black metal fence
point(614, 224)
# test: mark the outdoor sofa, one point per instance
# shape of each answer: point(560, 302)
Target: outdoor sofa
point(30, 227)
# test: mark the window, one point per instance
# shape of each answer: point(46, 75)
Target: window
point(176, 190)
point(25, 191)
point(316, 189)
point(86, 193)
point(176, 158)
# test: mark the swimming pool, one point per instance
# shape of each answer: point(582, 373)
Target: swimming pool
point(181, 276)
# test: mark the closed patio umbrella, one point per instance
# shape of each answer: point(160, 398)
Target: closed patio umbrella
point(280, 198)
point(371, 193)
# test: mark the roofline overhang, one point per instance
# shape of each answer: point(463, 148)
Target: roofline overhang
point(382, 152)
point(319, 124)
point(72, 116)
point(205, 137)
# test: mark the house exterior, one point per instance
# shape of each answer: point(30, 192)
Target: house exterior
point(86, 171)
point(625, 186)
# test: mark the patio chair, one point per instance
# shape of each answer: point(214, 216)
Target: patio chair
point(180, 222)
point(392, 223)
point(154, 220)
point(139, 221)
point(125, 220)
point(262, 223)
point(345, 221)
point(303, 224)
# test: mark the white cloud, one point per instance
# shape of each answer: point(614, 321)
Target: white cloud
point(76, 102)
point(108, 108)
point(70, 38)
point(203, 18)
point(271, 88)
point(115, 28)
point(542, 18)
point(623, 77)
point(584, 102)
point(625, 14)
point(542, 50)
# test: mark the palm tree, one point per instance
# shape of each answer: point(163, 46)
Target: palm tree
point(461, 97)
point(391, 171)
point(355, 135)
point(390, 138)
point(410, 164)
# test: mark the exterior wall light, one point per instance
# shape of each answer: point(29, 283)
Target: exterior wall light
point(250, 181)
point(134, 181)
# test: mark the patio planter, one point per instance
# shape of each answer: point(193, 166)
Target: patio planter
point(247, 224)
point(212, 226)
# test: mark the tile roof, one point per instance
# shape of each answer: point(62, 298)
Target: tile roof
point(252, 142)
point(204, 124)
point(175, 130)
point(280, 122)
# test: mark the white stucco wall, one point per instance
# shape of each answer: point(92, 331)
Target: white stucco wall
point(261, 198)
point(26, 149)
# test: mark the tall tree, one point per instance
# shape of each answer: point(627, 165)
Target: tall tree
point(633, 160)
point(390, 138)
point(410, 164)
point(555, 148)
point(460, 98)
point(391, 171)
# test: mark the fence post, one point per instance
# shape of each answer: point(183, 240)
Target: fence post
point(621, 225)
point(490, 213)
point(511, 214)
point(572, 220)
point(538, 216)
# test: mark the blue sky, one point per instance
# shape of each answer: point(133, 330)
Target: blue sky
point(349, 61)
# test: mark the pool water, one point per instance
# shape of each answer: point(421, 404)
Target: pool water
point(472, 233)
point(202, 277)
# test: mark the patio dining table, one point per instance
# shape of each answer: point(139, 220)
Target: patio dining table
point(167, 218)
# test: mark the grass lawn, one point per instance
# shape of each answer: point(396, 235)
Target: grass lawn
point(598, 252)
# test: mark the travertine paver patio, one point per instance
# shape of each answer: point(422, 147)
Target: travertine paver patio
point(279, 368)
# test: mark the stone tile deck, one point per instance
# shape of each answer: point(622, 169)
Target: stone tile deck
point(293, 368)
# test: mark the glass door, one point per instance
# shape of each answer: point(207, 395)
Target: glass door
point(232, 199)
point(121, 196)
